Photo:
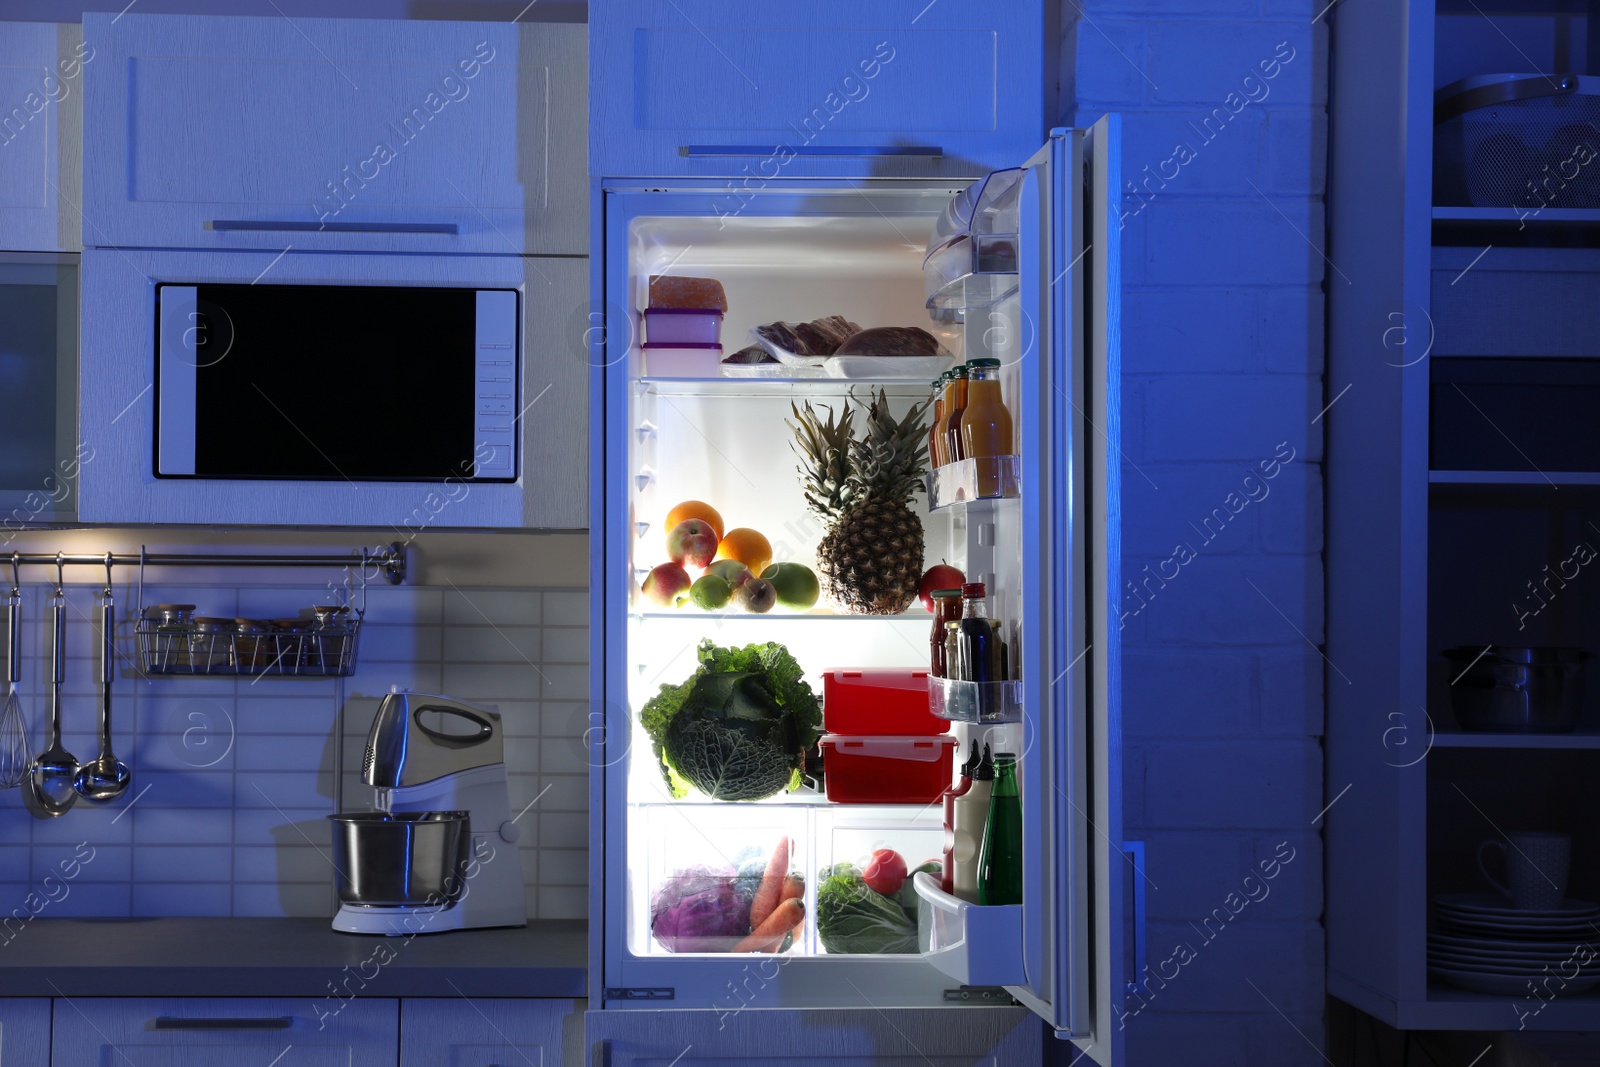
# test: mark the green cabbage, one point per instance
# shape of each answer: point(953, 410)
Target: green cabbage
point(854, 918)
point(738, 728)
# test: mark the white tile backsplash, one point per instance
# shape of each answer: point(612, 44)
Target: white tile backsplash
point(233, 778)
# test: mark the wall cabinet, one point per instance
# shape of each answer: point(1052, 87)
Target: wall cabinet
point(483, 1033)
point(319, 134)
point(844, 87)
point(42, 69)
point(172, 1032)
point(25, 1032)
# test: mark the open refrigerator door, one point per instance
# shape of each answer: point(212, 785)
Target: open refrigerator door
point(727, 454)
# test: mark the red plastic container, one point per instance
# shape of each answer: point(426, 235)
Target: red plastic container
point(887, 770)
point(879, 702)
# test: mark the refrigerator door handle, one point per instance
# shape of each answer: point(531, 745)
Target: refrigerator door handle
point(1134, 850)
point(711, 151)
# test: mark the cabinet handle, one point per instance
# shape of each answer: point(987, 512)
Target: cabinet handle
point(168, 1022)
point(1134, 850)
point(279, 226)
point(702, 151)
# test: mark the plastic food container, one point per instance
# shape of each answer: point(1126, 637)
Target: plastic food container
point(877, 702)
point(682, 360)
point(671, 326)
point(887, 770)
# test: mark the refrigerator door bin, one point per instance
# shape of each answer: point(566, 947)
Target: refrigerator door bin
point(983, 478)
point(958, 701)
point(974, 944)
point(878, 701)
point(887, 770)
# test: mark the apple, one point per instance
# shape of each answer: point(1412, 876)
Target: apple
point(755, 595)
point(667, 585)
point(710, 592)
point(939, 576)
point(692, 543)
point(730, 570)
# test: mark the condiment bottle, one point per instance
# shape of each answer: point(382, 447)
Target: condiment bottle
point(935, 445)
point(967, 821)
point(985, 424)
point(946, 609)
point(1000, 862)
point(955, 402)
point(963, 783)
point(978, 654)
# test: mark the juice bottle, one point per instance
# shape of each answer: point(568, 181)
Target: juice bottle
point(963, 783)
point(1000, 861)
point(946, 608)
point(935, 424)
point(955, 400)
point(986, 424)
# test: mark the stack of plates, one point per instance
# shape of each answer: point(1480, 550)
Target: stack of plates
point(1481, 942)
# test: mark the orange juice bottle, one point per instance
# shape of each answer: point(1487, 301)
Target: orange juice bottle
point(934, 425)
point(986, 424)
point(955, 399)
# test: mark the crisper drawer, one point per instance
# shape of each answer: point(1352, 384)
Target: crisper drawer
point(1515, 302)
point(846, 87)
point(169, 1032)
point(355, 135)
point(1514, 414)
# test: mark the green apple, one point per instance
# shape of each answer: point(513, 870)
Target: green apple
point(730, 570)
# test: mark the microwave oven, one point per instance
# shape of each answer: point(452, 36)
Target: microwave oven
point(336, 383)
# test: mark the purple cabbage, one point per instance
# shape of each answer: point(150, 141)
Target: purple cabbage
point(699, 909)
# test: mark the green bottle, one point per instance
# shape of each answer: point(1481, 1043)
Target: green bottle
point(1000, 863)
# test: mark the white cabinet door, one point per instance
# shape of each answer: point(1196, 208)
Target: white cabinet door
point(41, 135)
point(472, 1032)
point(185, 1032)
point(25, 1032)
point(358, 135)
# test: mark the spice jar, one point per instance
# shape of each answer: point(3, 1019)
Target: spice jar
point(212, 646)
point(293, 636)
point(253, 646)
point(330, 627)
point(169, 640)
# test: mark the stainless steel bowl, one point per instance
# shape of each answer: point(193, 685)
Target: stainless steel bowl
point(1517, 689)
point(392, 859)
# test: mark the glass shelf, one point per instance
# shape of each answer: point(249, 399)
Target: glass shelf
point(777, 615)
point(917, 388)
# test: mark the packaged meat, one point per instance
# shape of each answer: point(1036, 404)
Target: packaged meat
point(890, 341)
point(804, 344)
point(672, 291)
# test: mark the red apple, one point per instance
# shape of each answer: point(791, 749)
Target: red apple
point(667, 585)
point(692, 543)
point(939, 576)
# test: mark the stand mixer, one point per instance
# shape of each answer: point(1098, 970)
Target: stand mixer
point(440, 852)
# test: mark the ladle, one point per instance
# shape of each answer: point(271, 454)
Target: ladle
point(105, 777)
point(55, 768)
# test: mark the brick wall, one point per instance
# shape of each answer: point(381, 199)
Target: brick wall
point(1223, 352)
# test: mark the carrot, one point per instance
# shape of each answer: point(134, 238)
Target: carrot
point(766, 897)
point(793, 886)
point(769, 935)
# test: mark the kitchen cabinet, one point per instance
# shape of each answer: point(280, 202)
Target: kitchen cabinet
point(25, 1032)
point(325, 134)
point(118, 405)
point(168, 1032)
point(756, 92)
point(480, 1032)
point(1449, 524)
point(42, 67)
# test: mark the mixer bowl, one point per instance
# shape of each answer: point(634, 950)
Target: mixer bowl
point(400, 859)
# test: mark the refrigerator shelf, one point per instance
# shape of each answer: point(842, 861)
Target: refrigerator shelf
point(914, 388)
point(989, 702)
point(779, 615)
point(972, 943)
point(967, 480)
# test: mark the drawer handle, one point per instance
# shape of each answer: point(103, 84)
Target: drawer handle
point(168, 1022)
point(706, 150)
point(279, 226)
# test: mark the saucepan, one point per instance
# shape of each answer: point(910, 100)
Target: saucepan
point(1517, 689)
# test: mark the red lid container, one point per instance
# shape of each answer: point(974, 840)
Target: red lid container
point(887, 770)
point(876, 701)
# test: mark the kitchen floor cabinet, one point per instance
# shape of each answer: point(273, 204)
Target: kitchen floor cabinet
point(42, 68)
point(168, 1032)
point(1460, 503)
point(322, 134)
point(469, 1032)
point(838, 87)
point(25, 1032)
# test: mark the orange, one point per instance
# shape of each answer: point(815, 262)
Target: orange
point(748, 547)
point(694, 509)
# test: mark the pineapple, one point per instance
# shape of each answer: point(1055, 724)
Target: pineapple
point(871, 556)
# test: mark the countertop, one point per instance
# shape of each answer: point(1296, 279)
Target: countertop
point(174, 957)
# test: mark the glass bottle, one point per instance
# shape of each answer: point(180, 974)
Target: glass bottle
point(978, 654)
point(946, 609)
point(1000, 863)
point(955, 402)
point(986, 425)
point(935, 449)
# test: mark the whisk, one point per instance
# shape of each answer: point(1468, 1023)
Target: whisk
point(15, 758)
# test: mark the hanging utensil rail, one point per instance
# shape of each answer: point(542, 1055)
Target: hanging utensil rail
point(390, 560)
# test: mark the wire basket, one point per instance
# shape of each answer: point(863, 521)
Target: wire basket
point(1518, 141)
point(325, 652)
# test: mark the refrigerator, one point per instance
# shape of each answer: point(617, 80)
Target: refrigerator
point(1045, 303)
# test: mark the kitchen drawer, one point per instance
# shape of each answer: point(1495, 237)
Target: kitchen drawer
point(717, 88)
point(357, 135)
point(25, 1032)
point(41, 135)
point(171, 1032)
point(473, 1032)
point(1515, 302)
point(117, 399)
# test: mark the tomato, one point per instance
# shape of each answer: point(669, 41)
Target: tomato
point(885, 872)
